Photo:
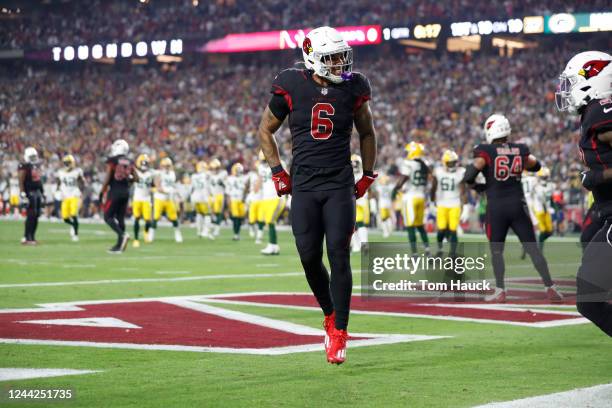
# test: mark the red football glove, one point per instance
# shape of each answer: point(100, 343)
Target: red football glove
point(282, 182)
point(361, 187)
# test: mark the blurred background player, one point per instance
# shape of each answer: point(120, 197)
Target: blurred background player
point(542, 201)
point(14, 191)
point(253, 200)
point(69, 180)
point(449, 195)
point(31, 193)
point(362, 209)
point(236, 192)
point(271, 207)
point(115, 192)
point(141, 199)
point(164, 202)
point(414, 174)
point(218, 178)
point(502, 164)
point(200, 195)
point(384, 192)
point(529, 180)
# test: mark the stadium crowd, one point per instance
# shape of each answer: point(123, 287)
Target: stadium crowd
point(83, 22)
point(200, 112)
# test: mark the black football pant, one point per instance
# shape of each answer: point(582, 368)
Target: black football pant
point(593, 222)
point(501, 216)
point(316, 215)
point(33, 211)
point(114, 215)
point(594, 280)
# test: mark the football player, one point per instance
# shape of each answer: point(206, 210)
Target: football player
point(502, 163)
point(322, 103)
point(115, 192)
point(384, 191)
point(450, 197)
point(30, 193)
point(254, 200)
point(542, 196)
point(164, 198)
point(218, 178)
point(236, 191)
point(200, 185)
point(585, 89)
point(14, 191)
point(141, 199)
point(414, 172)
point(271, 207)
point(362, 207)
point(529, 180)
point(69, 181)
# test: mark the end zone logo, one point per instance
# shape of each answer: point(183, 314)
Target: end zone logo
point(180, 324)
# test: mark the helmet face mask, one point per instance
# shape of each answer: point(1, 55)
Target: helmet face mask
point(327, 54)
point(142, 162)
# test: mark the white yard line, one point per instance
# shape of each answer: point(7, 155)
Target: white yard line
point(12, 374)
point(599, 396)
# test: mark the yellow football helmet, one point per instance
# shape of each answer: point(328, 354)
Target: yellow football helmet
point(201, 166)
point(166, 163)
point(142, 161)
point(237, 169)
point(543, 173)
point(68, 161)
point(415, 150)
point(214, 164)
point(449, 158)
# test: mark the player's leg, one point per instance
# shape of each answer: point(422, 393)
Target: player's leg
point(545, 227)
point(362, 231)
point(74, 212)
point(261, 217)
point(218, 213)
point(338, 218)
point(419, 217)
point(409, 219)
point(592, 223)
point(359, 223)
point(454, 215)
point(121, 210)
point(442, 224)
point(65, 214)
point(148, 219)
point(172, 216)
point(594, 282)
point(199, 218)
point(239, 216)
point(523, 228)
point(308, 229)
point(273, 211)
point(137, 210)
point(110, 211)
point(497, 224)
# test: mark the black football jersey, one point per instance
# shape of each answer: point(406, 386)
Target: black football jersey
point(321, 125)
point(503, 169)
point(33, 177)
point(121, 171)
point(597, 118)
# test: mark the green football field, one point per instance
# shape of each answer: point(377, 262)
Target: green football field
point(457, 362)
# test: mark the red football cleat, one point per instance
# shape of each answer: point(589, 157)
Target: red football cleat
point(336, 353)
point(328, 325)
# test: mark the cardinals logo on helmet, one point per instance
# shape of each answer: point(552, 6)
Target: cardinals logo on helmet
point(307, 45)
point(592, 68)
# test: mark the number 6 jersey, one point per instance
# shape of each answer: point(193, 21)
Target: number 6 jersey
point(321, 124)
point(503, 169)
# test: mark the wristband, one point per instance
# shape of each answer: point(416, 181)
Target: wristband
point(277, 169)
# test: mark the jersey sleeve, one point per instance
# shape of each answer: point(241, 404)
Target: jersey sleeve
point(281, 103)
point(362, 89)
point(598, 119)
point(524, 151)
point(483, 152)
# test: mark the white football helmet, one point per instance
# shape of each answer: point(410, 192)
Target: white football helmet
point(496, 127)
point(119, 147)
point(586, 76)
point(328, 54)
point(30, 155)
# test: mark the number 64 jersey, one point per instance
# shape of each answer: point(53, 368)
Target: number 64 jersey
point(321, 124)
point(503, 169)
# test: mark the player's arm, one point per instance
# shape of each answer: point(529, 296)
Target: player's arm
point(593, 178)
point(367, 137)
point(532, 164)
point(434, 187)
point(157, 184)
point(400, 182)
point(472, 170)
point(107, 180)
point(268, 125)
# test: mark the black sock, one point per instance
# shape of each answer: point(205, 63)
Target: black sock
point(423, 235)
point(75, 224)
point(147, 226)
point(175, 223)
point(136, 228)
point(452, 237)
point(497, 260)
point(440, 238)
point(69, 221)
point(412, 239)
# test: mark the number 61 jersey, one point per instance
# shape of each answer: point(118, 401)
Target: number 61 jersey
point(503, 169)
point(321, 124)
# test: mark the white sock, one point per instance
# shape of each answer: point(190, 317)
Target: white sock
point(151, 234)
point(363, 234)
point(199, 224)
